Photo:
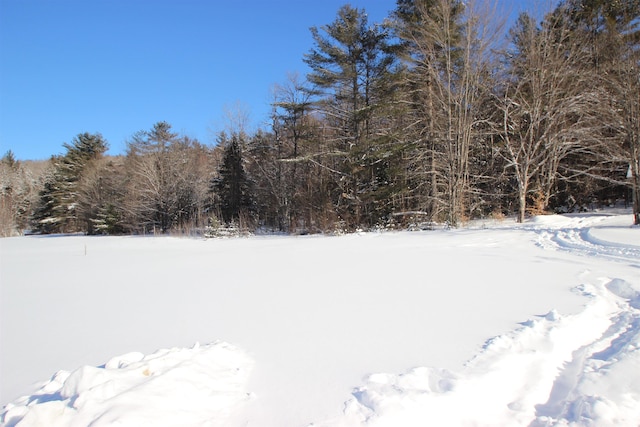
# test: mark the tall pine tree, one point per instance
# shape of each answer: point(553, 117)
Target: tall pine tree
point(233, 187)
point(351, 65)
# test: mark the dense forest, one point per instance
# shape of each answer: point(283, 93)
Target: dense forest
point(437, 115)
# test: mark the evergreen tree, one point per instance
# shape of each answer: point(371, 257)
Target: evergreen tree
point(109, 220)
point(58, 210)
point(102, 196)
point(9, 160)
point(232, 186)
point(43, 217)
point(351, 65)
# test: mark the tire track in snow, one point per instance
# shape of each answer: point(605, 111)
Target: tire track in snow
point(539, 375)
point(580, 391)
point(581, 241)
point(579, 395)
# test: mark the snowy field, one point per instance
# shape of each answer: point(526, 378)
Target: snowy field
point(494, 324)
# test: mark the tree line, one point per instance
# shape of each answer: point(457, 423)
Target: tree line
point(426, 117)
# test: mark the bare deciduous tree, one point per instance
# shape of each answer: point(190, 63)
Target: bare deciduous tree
point(447, 46)
point(167, 181)
point(548, 107)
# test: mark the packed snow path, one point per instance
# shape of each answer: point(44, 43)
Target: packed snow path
point(580, 236)
point(336, 335)
point(577, 370)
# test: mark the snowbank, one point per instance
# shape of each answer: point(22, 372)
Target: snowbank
point(203, 385)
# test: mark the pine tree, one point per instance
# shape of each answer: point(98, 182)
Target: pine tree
point(351, 64)
point(9, 160)
point(43, 217)
point(58, 209)
point(233, 188)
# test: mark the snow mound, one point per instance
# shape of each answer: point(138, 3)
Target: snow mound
point(171, 387)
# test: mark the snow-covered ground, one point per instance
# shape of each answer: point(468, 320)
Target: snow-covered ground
point(493, 324)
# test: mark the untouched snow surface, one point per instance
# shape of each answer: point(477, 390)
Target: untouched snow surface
point(495, 324)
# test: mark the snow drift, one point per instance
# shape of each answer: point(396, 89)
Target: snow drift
point(496, 324)
point(196, 386)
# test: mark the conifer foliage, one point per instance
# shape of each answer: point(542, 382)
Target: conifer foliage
point(351, 68)
point(232, 186)
point(63, 203)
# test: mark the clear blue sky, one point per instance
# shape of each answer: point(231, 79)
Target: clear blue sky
point(119, 66)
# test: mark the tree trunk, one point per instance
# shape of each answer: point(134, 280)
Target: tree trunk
point(636, 201)
point(523, 187)
point(635, 170)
